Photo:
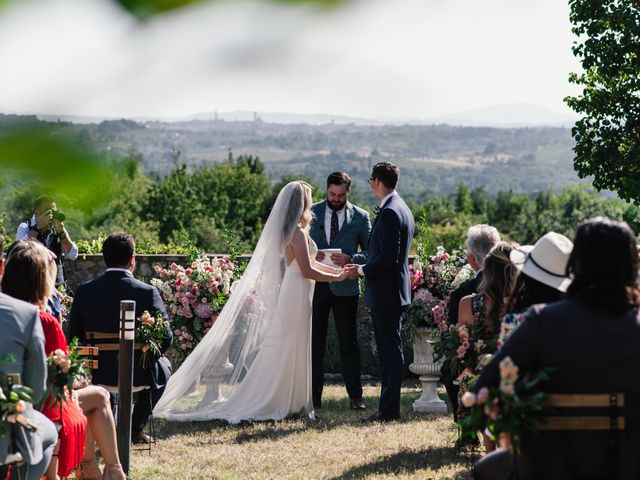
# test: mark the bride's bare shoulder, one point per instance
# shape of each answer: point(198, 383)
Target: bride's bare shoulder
point(299, 234)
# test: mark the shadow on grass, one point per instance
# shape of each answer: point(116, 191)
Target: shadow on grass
point(407, 462)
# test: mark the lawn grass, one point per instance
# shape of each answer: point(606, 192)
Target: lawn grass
point(334, 447)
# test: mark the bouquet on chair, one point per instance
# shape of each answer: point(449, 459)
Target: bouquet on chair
point(13, 402)
point(513, 407)
point(150, 332)
point(63, 368)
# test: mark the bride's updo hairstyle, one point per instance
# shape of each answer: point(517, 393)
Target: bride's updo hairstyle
point(604, 264)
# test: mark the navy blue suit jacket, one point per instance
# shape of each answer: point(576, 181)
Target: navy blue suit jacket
point(96, 308)
point(386, 273)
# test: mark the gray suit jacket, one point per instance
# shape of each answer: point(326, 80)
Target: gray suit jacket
point(354, 232)
point(22, 351)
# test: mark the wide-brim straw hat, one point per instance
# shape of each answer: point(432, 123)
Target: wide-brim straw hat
point(546, 261)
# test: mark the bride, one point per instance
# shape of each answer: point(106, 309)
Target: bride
point(258, 353)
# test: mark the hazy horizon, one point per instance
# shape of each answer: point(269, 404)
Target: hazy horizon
point(367, 58)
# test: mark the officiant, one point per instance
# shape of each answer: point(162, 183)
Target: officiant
point(341, 231)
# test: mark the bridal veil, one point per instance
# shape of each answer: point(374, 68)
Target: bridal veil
point(219, 363)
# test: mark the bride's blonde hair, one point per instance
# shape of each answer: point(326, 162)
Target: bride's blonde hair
point(307, 214)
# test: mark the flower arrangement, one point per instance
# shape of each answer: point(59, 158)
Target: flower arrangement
point(62, 370)
point(514, 407)
point(467, 347)
point(194, 297)
point(431, 286)
point(151, 332)
point(13, 403)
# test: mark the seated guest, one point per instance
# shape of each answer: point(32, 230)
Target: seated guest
point(22, 347)
point(591, 340)
point(542, 279)
point(488, 305)
point(480, 240)
point(486, 308)
point(30, 273)
point(30, 276)
point(96, 308)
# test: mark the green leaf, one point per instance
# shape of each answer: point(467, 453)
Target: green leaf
point(144, 9)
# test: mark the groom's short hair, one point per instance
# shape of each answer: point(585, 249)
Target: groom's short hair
point(117, 249)
point(339, 178)
point(387, 173)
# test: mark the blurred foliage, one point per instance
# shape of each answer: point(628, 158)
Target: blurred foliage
point(608, 134)
point(53, 164)
point(145, 8)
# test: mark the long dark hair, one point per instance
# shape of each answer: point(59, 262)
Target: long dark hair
point(604, 263)
point(529, 291)
point(497, 282)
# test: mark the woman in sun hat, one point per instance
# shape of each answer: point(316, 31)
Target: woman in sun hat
point(543, 278)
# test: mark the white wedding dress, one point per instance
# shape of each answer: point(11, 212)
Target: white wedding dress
point(278, 384)
point(255, 362)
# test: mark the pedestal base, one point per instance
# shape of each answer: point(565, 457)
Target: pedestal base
point(429, 402)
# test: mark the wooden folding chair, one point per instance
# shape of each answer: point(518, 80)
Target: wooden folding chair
point(584, 411)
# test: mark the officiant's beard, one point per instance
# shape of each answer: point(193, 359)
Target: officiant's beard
point(335, 205)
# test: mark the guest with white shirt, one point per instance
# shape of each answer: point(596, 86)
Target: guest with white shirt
point(95, 318)
point(340, 226)
point(47, 226)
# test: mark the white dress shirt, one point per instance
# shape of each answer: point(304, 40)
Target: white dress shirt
point(125, 270)
point(23, 234)
point(384, 200)
point(327, 221)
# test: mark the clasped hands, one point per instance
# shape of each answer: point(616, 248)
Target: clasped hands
point(352, 271)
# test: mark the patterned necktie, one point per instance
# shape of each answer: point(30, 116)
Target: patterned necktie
point(334, 227)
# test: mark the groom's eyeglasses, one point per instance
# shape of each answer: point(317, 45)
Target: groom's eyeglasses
point(371, 179)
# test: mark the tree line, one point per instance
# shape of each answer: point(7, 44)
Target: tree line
point(225, 205)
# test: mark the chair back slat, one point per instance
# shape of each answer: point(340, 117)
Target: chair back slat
point(584, 411)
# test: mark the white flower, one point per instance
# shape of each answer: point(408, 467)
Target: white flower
point(507, 387)
point(463, 275)
point(468, 399)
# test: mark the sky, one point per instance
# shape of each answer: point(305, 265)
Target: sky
point(382, 59)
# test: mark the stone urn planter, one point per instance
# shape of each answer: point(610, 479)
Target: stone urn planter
point(428, 370)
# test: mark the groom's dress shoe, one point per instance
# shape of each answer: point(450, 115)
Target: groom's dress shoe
point(379, 417)
point(357, 404)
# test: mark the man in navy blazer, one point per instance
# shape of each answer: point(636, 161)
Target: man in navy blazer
point(339, 224)
point(387, 285)
point(96, 308)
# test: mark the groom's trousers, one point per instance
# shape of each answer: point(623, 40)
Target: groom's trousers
point(386, 328)
point(345, 312)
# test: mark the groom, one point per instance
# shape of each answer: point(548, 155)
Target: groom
point(387, 286)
